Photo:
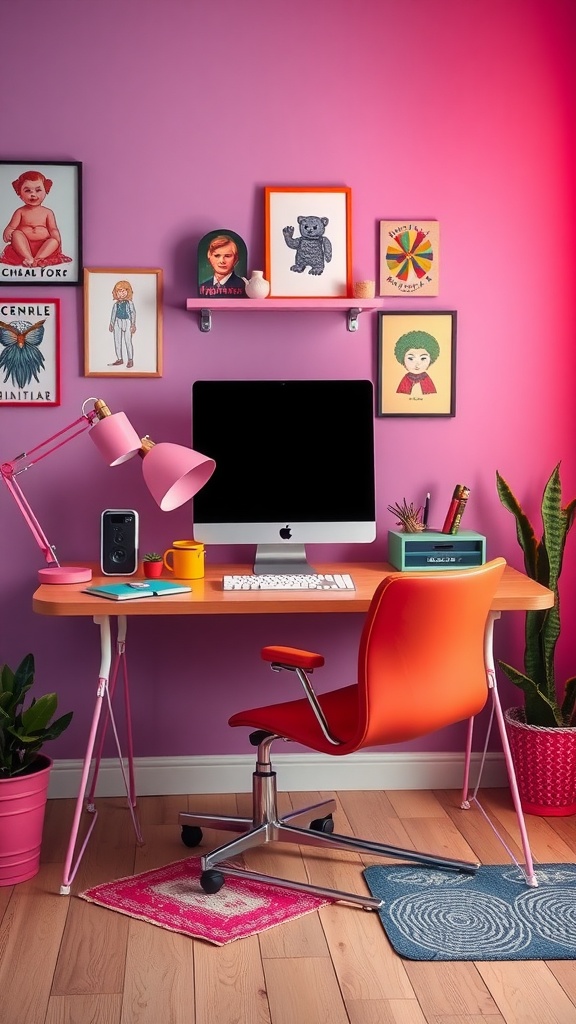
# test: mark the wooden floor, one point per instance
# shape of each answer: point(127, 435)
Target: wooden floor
point(65, 961)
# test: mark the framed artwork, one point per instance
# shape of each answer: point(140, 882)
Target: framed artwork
point(40, 222)
point(122, 322)
point(417, 364)
point(222, 265)
point(30, 352)
point(308, 242)
point(409, 257)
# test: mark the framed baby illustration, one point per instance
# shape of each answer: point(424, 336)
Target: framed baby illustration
point(122, 322)
point(30, 352)
point(41, 222)
point(308, 242)
point(417, 364)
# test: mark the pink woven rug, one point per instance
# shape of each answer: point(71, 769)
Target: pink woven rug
point(171, 898)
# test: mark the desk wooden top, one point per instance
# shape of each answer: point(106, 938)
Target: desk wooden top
point(517, 592)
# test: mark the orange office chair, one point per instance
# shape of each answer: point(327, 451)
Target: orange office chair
point(421, 667)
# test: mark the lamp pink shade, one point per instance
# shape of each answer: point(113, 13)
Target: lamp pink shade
point(173, 474)
point(115, 438)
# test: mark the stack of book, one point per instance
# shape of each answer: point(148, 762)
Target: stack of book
point(456, 509)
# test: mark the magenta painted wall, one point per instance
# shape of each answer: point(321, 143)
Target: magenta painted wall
point(181, 113)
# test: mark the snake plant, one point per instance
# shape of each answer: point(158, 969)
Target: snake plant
point(543, 703)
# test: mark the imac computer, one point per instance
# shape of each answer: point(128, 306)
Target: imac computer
point(294, 466)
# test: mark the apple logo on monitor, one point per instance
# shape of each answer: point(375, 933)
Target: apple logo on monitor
point(286, 532)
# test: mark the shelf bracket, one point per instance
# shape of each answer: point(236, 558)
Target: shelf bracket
point(205, 320)
point(353, 315)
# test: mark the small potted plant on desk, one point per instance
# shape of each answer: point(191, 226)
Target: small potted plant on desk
point(152, 564)
point(24, 771)
point(542, 734)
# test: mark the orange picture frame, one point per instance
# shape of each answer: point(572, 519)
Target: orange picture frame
point(308, 241)
point(123, 322)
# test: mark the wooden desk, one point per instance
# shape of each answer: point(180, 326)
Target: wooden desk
point(516, 592)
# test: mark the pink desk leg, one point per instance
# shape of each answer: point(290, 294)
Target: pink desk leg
point(496, 711)
point(104, 690)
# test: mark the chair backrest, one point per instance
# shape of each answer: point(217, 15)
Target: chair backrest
point(421, 659)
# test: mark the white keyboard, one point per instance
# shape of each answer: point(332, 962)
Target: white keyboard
point(293, 581)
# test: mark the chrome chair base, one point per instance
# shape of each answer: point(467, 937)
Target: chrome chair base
point(267, 826)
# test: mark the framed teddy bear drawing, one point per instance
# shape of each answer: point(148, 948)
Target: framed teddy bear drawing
point(308, 242)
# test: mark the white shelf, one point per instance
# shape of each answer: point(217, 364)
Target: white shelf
point(353, 307)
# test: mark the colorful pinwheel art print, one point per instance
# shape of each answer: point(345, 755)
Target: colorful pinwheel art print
point(409, 258)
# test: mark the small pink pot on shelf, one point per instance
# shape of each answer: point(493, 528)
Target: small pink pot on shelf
point(152, 570)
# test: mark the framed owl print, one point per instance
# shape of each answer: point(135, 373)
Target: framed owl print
point(29, 352)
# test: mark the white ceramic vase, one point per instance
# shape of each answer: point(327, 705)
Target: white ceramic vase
point(257, 287)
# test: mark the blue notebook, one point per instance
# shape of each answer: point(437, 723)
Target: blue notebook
point(139, 588)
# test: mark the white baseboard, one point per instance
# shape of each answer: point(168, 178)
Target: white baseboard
point(163, 776)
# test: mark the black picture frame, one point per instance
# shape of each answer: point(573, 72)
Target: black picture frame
point(62, 205)
point(405, 388)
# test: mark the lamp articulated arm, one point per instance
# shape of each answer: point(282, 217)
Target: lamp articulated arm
point(173, 473)
point(9, 471)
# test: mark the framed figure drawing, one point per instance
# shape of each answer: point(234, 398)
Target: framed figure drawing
point(308, 242)
point(122, 322)
point(30, 352)
point(40, 218)
point(417, 364)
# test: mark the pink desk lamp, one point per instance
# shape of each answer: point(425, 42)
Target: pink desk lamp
point(172, 473)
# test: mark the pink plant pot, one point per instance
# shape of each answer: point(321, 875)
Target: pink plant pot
point(545, 765)
point(22, 808)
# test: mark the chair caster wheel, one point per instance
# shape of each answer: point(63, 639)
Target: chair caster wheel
point(323, 824)
point(191, 835)
point(211, 881)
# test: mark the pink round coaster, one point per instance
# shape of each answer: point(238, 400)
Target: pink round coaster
point(64, 574)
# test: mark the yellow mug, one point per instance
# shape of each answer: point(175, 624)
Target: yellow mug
point(185, 559)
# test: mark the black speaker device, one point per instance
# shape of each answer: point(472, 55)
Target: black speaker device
point(119, 542)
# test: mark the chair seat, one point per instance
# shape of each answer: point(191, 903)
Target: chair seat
point(296, 721)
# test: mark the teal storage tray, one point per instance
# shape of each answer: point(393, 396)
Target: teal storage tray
point(430, 550)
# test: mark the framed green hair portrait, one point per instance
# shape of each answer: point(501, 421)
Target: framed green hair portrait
point(417, 364)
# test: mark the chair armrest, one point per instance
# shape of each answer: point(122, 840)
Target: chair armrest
point(295, 660)
point(293, 657)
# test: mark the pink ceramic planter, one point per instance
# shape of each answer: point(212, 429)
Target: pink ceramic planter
point(22, 808)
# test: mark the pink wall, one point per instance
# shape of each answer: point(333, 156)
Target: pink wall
point(180, 113)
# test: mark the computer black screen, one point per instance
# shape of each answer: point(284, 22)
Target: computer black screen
point(294, 461)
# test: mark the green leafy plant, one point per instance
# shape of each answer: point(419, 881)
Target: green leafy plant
point(543, 703)
point(153, 556)
point(23, 731)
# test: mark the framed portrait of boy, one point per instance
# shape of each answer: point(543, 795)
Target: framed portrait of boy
point(122, 322)
point(308, 242)
point(222, 265)
point(40, 222)
point(417, 363)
